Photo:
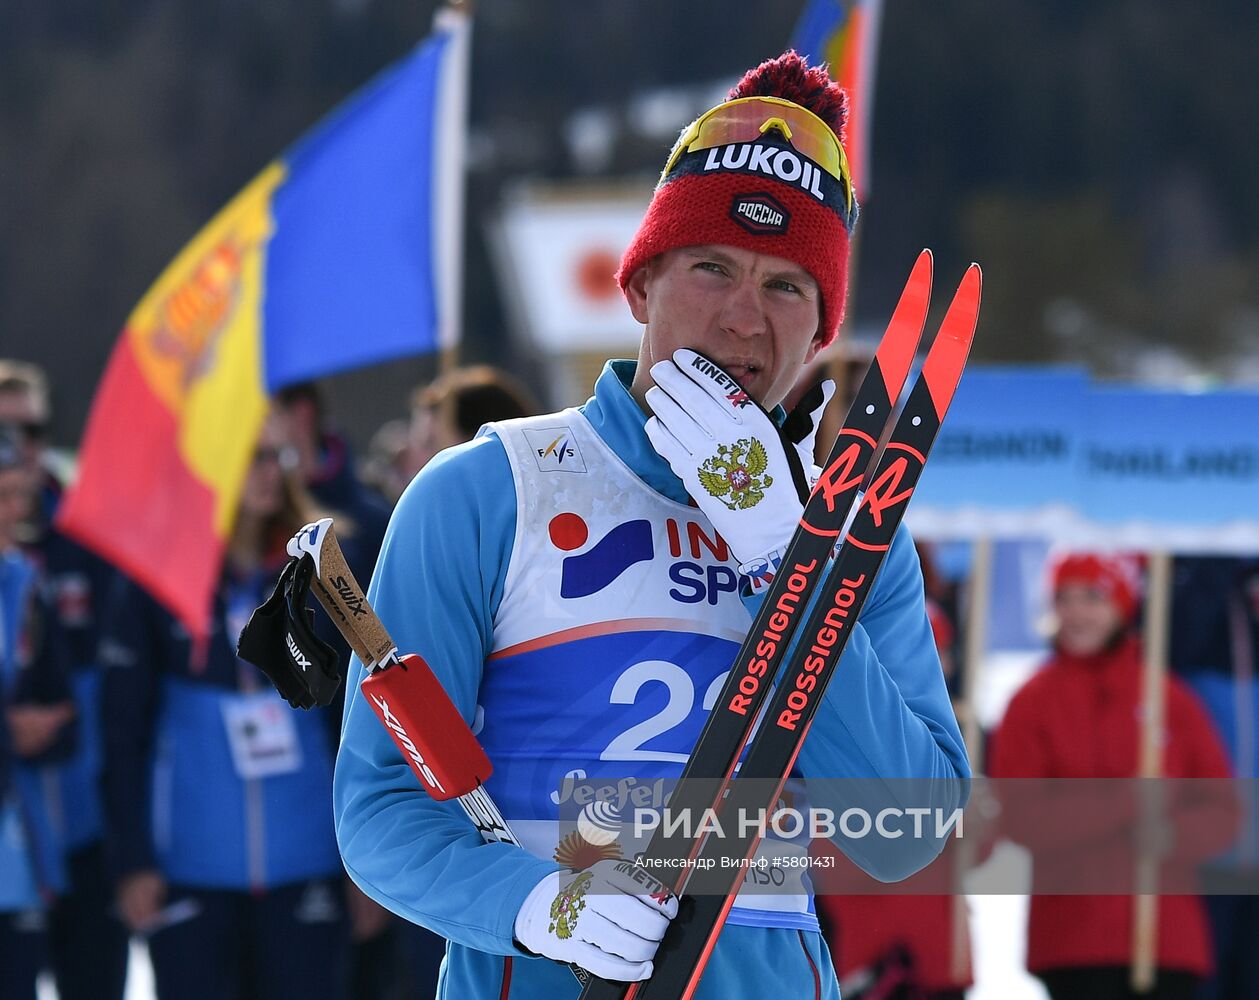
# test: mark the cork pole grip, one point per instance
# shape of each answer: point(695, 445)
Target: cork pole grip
point(346, 603)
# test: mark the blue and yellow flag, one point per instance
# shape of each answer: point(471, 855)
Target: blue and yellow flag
point(343, 252)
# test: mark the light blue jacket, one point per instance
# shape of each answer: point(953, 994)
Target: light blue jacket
point(175, 798)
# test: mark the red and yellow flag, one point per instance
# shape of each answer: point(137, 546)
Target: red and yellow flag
point(175, 419)
point(339, 254)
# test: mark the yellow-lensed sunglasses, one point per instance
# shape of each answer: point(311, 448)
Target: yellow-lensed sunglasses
point(748, 118)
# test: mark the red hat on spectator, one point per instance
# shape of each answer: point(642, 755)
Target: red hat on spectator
point(1117, 576)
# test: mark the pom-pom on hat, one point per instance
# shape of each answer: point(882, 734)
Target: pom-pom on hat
point(1115, 575)
point(765, 171)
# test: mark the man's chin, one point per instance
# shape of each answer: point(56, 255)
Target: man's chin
point(767, 395)
point(1080, 645)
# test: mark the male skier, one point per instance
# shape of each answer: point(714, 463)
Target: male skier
point(580, 610)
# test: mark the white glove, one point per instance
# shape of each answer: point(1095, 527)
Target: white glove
point(747, 476)
point(608, 919)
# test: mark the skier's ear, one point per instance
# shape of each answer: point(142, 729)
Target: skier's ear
point(636, 292)
point(815, 345)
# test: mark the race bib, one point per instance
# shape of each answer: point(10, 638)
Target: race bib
point(262, 735)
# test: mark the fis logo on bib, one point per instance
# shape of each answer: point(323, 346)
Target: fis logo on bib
point(555, 449)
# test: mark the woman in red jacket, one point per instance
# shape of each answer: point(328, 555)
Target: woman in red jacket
point(1079, 717)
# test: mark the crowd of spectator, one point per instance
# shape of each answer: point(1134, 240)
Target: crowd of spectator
point(154, 786)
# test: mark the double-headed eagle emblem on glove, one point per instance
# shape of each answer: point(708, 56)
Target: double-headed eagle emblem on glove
point(736, 474)
point(568, 906)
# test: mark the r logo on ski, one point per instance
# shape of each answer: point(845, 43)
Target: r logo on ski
point(885, 492)
point(840, 476)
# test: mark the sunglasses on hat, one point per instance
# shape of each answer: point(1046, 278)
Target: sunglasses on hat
point(749, 118)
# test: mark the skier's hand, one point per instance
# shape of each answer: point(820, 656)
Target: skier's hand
point(368, 919)
point(608, 919)
point(141, 896)
point(34, 728)
point(750, 478)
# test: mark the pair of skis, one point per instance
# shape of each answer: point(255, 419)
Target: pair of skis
point(706, 782)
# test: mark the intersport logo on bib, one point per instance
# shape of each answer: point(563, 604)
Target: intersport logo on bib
point(697, 559)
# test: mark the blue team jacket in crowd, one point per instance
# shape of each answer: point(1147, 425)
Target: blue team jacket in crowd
point(176, 798)
point(438, 583)
point(31, 862)
point(76, 582)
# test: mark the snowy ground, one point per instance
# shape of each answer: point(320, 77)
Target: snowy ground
point(997, 926)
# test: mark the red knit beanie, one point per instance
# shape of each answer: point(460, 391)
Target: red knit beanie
point(764, 196)
point(1116, 576)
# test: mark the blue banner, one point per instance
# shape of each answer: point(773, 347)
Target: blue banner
point(1163, 464)
point(1008, 453)
point(1044, 453)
